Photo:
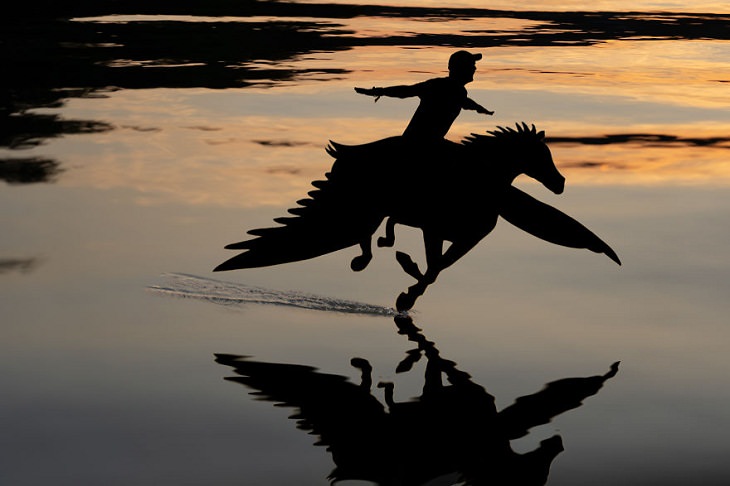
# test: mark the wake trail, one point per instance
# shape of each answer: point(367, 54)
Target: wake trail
point(186, 286)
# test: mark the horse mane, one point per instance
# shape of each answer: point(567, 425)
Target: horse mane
point(522, 134)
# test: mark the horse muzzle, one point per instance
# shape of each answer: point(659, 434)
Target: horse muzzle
point(556, 185)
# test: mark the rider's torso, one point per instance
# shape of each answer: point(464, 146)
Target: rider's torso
point(441, 102)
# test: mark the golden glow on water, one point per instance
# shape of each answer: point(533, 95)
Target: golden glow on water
point(384, 26)
point(549, 5)
point(701, 6)
point(262, 146)
point(690, 73)
point(253, 161)
point(644, 164)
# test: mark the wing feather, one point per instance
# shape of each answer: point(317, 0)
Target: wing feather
point(556, 398)
point(345, 416)
point(340, 212)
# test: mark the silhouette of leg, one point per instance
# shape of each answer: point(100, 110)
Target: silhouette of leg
point(388, 392)
point(454, 252)
point(389, 239)
point(433, 380)
point(434, 257)
point(408, 265)
point(435, 263)
point(406, 300)
point(434, 246)
point(366, 369)
point(361, 261)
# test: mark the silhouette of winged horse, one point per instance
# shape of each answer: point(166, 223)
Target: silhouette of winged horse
point(452, 191)
point(452, 431)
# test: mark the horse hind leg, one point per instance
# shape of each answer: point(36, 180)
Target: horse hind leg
point(361, 261)
point(389, 239)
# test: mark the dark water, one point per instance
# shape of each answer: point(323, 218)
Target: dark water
point(137, 140)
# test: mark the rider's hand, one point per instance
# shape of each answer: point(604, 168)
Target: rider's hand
point(369, 92)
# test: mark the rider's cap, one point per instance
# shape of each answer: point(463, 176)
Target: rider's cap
point(462, 59)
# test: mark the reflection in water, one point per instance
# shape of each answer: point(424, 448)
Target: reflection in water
point(28, 170)
point(46, 59)
point(646, 139)
point(23, 265)
point(28, 130)
point(452, 192)
point(52, 53)
point(450, 431)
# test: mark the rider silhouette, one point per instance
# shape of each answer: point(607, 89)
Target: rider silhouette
point(442, 99)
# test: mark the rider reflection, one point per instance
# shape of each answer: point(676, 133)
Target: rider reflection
point(452, 431)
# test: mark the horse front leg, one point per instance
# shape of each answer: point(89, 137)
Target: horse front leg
point(433, 246)
point(436, 260)
point(408, 265)
point(457, 250)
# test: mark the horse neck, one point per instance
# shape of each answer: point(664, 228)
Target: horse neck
point(505, 165)
point(495, 158)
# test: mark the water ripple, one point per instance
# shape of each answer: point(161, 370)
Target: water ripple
point(234, 294)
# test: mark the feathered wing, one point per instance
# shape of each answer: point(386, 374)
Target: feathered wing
point(348, 420)
point(340, 212)
point(557, 397)
point(550, 224)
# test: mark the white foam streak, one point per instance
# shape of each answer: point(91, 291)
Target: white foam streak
point(235, 294)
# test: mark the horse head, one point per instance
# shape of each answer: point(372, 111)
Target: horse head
point(523, 151)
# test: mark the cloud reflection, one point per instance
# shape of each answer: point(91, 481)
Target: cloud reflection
point(18, 171)
point(611, 58)
point(22, 265)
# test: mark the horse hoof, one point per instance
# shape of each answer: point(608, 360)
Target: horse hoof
point(404, 302)
point(384, 242)
point(360, 262)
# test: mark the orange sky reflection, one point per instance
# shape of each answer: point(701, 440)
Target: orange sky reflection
point(260, 146)
point(243, 165)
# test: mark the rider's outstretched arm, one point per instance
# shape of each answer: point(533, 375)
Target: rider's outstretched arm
point(470, 104)
point(402, 91)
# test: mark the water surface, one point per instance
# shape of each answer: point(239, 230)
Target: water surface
point(136, 145)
